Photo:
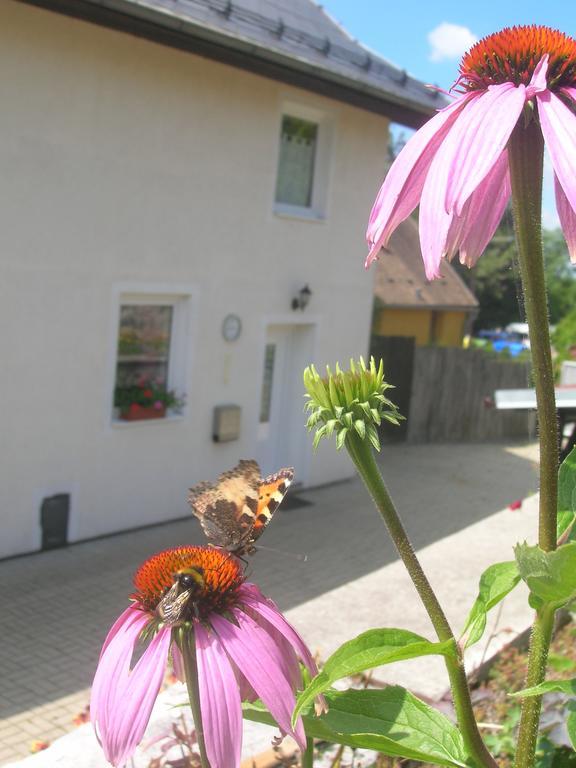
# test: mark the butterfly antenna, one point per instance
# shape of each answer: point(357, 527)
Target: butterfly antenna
point(297, 556)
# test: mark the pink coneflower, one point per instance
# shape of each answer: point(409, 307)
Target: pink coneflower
point(192, 603)
point(457, 166)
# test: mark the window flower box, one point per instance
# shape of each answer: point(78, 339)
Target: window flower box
point(146, 400)
point(135, 412)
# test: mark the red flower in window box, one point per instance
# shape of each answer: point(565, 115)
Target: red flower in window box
point(146, 400)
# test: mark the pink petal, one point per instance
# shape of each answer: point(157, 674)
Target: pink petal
point(402, 187)
point(259, 660)
point(569, 91)
point(478, 138)
point(177, 663)
point(122, 699)
point(434, 223)
point(567, 217)
point(486, 208)
point(269, 611)
point(538, 82)
point(558, 125)
point(121, 624)
point(219, 701)
point(115, 658)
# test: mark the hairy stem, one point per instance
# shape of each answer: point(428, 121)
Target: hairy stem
point(526, 152)
point(363, 458)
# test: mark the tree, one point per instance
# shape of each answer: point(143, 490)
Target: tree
point(495, 280)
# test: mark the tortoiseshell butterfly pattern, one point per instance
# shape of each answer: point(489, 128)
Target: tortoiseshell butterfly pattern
point(236, 509)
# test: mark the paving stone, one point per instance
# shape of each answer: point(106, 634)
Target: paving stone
point(75, 594)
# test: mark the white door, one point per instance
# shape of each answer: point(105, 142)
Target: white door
point(282, 437)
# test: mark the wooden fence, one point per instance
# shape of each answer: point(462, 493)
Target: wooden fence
point(449, 392)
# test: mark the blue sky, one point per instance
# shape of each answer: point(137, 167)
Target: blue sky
point(428, 38)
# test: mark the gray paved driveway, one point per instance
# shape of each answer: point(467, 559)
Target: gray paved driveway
point(56, 607)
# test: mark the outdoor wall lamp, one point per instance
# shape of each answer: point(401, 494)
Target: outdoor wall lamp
point(301, 300)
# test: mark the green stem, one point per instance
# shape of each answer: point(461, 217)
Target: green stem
point(307, 758)
point(526, 152)
point(530, 718)
point(363, 458)
point(187, 645)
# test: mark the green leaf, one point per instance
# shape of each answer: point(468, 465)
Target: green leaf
point(567, 497)
point(496, 582)
point(560, 663)
point(551, 576)
point(370, 649)
point(571, 727)
point(391, 721)
point(341, 438)
point(373, 437)
point(549, 686)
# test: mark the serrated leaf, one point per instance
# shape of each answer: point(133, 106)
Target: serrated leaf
point(373, 648)
point(567, 498)
point(549, 686)
point(392, 721)
point(551, 576)
point(496, 582)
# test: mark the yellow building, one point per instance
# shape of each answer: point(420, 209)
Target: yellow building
point(407, 304)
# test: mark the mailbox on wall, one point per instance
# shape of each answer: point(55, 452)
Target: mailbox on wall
point(226, 423)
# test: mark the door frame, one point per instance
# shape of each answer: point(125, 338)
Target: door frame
point(288, 319)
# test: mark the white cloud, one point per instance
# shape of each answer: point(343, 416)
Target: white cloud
point(449, 41)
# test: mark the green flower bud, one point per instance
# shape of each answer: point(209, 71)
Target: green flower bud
point(349, 402)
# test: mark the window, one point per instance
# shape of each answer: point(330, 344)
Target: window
point(297, 154)
point(267, 378)
point(303, 162)
point(149, 375)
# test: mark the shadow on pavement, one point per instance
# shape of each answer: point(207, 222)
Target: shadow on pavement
point(57, 606)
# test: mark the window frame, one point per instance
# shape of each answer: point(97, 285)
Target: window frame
point(178, 375)
point(317, 210)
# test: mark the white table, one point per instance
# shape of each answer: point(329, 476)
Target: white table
point(525, 400)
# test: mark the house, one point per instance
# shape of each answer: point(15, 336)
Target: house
point(407, 304)
point(186, 185)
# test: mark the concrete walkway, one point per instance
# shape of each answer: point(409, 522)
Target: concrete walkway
point(56, 607)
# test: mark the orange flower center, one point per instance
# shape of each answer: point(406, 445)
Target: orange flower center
point(208, 580)
point(510, 56)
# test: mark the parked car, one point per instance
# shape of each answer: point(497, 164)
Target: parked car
point(513, 340)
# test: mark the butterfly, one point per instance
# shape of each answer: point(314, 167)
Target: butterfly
point(236, 509)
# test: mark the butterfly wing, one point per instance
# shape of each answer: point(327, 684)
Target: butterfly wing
point(227, 509)
point(270, 494)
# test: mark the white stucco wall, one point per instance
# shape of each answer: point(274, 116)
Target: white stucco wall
point(123, 162)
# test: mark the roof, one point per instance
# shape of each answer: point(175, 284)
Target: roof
point(294, 41)
point(400, 281)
